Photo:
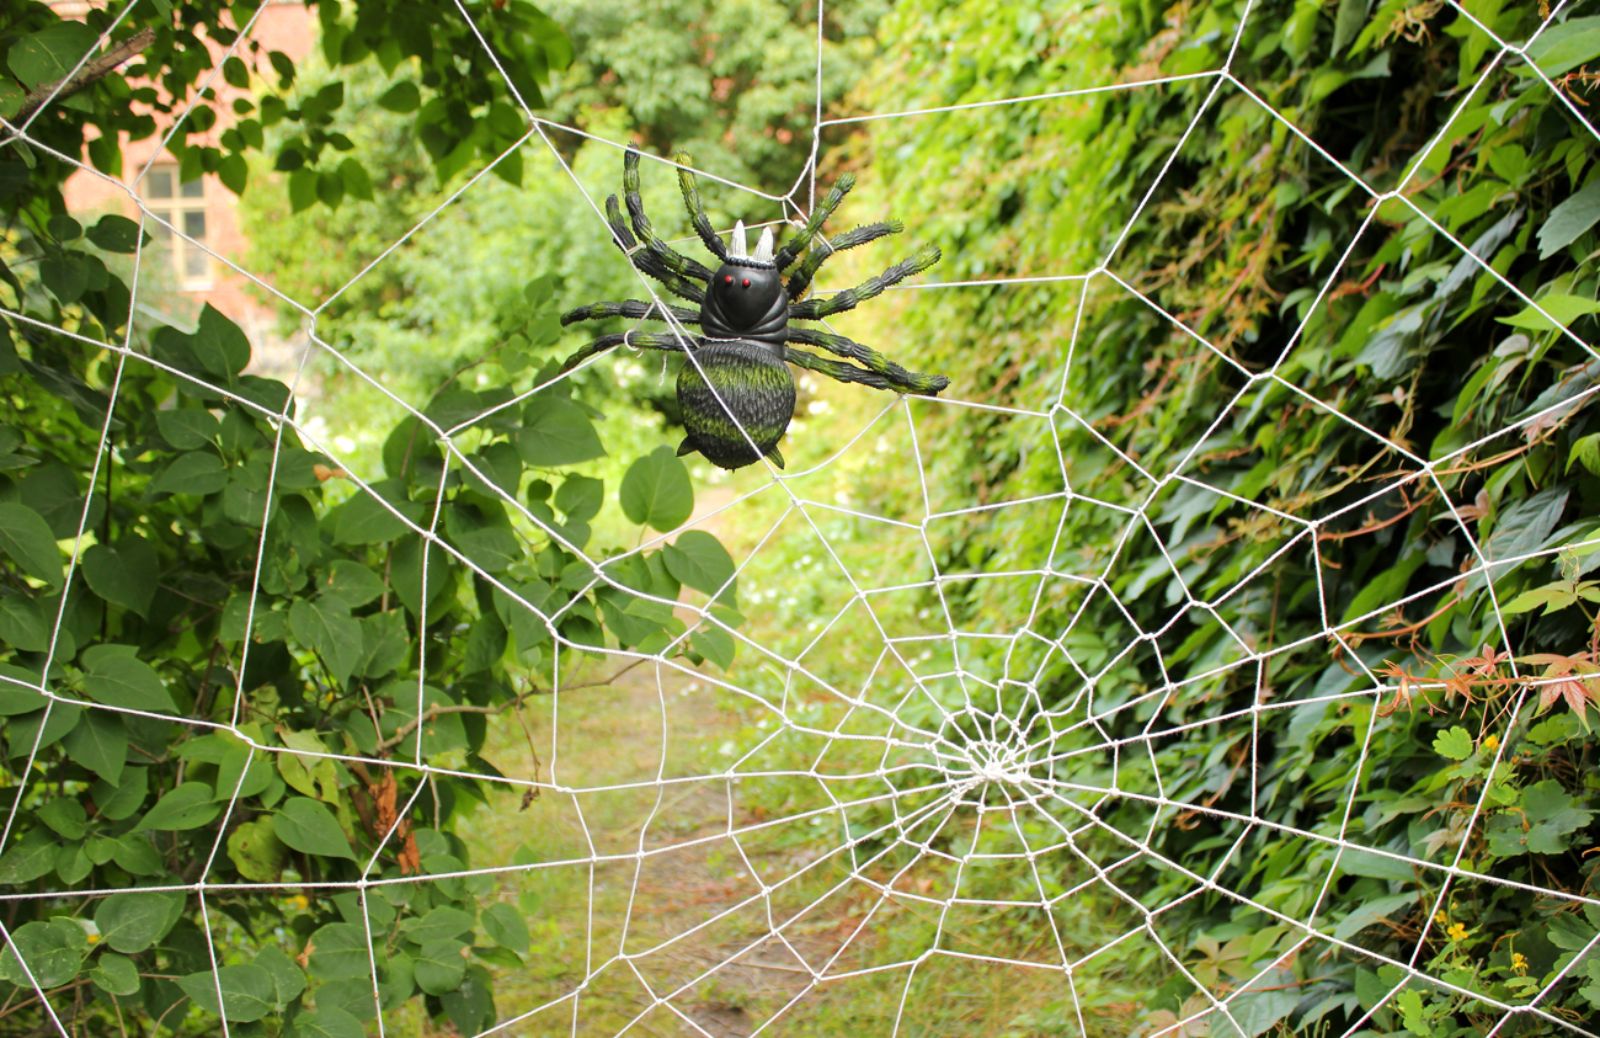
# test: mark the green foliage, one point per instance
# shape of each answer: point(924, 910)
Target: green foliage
point(466, 86)
point(228, 657)
point(734, 84)
point(1248, 234)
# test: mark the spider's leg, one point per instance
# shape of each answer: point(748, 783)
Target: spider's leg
point(899, 379)
point(837, 370)
point(631, 308)
point(823, 248)
point(672, 260)
point(815, 309)
point(647, 261)
point(796, 245)
point(697, 211)
point(643, 340)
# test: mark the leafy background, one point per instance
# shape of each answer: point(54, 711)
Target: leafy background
point(129, 598)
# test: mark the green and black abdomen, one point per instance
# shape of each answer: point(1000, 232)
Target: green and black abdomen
point(753, 402)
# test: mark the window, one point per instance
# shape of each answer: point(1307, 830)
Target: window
point(183, 205)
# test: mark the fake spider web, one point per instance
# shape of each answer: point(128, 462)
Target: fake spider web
point(942, 786)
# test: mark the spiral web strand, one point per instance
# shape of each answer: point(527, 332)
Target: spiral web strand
point(966, 771)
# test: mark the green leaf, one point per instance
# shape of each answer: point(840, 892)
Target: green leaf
point(256, 851)
point(115, 974)
point(121, 799)
point(65, 275)
point(49, 55)
point(557, 432)
point(357, 183)
point(65, 816)
point(100, 743)
point(339, 952)
point(715, 645)
point(288, 981)
point(385, 644)
point(1371, 911)
point(24, 735)
point(53, 951)
point(309, 827)
point(302, 190)
point(26, 538)
point(198, 472)
point(125, 575)
point(236, 73)
point(1586, 449)
point(402, 97)
point(364, 519)
point(440, 966)
point(656, 490)
point(1267, 999)
point(581, 497)
point(406, 573)
point(133, 921)
point(22, 627)
point(234, 172)
point(470, 1006)
point(1522, 528)
point(1561, 307)
point(328, 1023)
point(219, 345)
point(484, 536)
point(699, 560)
point(326, 627)
point(115, 233)
point(187, 428)
point(1562, 48)
point(439, 924)
point(1347, 23)
point(247, 991)
point(116, 677)
point(1553, 813)
point(506, 927)
point(1553, 597)
point(1548, 817)
point(1455, 743)
point(187, 807)
point(351, 583)
point(134, 853)
point(28, 858)
point(1571, 218)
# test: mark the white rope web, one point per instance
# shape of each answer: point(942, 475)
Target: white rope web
point(942, 784)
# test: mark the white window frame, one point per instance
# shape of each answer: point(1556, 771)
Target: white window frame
point(173, 208)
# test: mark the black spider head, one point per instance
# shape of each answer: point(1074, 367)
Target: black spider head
point(746, 298)
point(746, 292)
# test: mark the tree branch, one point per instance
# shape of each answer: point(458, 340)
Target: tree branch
point(90, 74)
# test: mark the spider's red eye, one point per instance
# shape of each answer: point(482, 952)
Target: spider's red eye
point(727, 279)
point(746, 282)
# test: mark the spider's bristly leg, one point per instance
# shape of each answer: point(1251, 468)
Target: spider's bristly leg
point(697, 211)
point(837, 370)
point(899, 379)
point(672, 260)
point(820, 252)
point(631, 308)
point(645, 260)
point(839, 302)
point(643, 340)
point(814, 222)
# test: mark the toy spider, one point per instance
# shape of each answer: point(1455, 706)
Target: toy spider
point(737, 391)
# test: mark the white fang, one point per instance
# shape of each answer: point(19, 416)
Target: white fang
point(763, 251)
point(738, 242)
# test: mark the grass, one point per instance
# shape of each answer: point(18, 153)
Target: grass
point(612, 930)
